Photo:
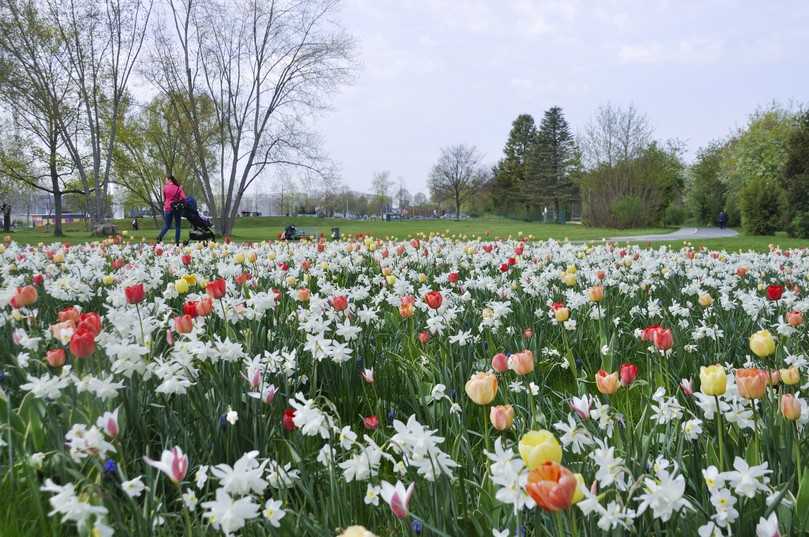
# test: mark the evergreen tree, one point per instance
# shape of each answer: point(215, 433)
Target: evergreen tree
point(795, 179)
point(551, 164)
point(706, 190)
point(510, 171)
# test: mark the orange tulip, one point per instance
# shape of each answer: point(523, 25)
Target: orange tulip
point(183, 324)
point(607, 383)
point(522, 363)
point(552, 486)
point(794, 318)
point(204, 306)
point(790, 407)
point(752, 382)
point(596, 293)
point(406, 310)
point(502, 417)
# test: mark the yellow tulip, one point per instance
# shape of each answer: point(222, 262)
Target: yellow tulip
point(238, 258)
point(391, 279)
point(422, 278)
point(790, 376)
point(713, 380)
point(356, 531)
point(705, 300)
point(538, 447)
point(190, 279)
point(181, 286)
point(762, 343)
point(569, 279)
point(108, 279)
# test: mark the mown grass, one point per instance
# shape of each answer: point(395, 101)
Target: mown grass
point(266, 228)
point(256, 229)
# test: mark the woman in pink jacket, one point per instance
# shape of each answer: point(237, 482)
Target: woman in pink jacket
point(173, 204)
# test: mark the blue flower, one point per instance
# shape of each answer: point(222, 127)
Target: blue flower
point(416, 526)
point(110, 467)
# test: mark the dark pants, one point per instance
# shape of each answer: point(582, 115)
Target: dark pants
point(168, 216)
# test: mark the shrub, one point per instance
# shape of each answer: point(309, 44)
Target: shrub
point(627, 211)
point(762, 203)
point(674, 215)
point(799, 226)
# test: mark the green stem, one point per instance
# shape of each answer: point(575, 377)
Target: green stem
point(719, 434)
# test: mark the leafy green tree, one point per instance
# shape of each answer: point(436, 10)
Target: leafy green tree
point(153, 142)
point(632, 192)
point(510, 172)
point(795, 179)
point(762, 202)
point(706, 191)
point(551, 164)
point(757, 152)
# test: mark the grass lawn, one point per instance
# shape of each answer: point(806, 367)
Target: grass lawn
point(258, 229)
point(264, 228)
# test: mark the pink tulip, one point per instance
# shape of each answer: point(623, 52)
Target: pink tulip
point(397, 497)
point(173, 462)
point(500, 362)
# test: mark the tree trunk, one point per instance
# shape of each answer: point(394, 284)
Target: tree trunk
point(6, 218)
point(457, 206)
point(57, 191)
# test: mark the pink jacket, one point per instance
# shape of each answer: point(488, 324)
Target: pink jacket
point(171, 193)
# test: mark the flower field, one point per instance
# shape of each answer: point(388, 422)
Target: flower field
point(433, 386)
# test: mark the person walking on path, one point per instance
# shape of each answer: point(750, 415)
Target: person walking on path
point(723, 219)
point(173, 205)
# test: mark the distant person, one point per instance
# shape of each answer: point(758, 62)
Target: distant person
point(723, 219)
point(173, 205)
point(135, 225)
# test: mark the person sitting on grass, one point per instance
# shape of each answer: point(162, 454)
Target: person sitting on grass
point(173, 205)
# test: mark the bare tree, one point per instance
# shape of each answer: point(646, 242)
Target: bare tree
point(34, 85)
point(615, 134)
point(102, 39)
point(457, 175)
point(380, 186)
point(266, 65)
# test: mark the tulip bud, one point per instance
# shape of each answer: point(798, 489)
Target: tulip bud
point(794, 318)
point(762, 343)
point(628, 373)
point(607, 383)
point(713, 380)
point(500, 362)
point(481, 388)
point(55, 357)
point(501, 417)
point(790, 376)
point(790, 407)
point(705, 300)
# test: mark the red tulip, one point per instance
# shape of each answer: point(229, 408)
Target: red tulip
point(424, 337)
point(38, 279)
point(453, 277)
point(434, 299)
point(649, 332)
point(774, 292)
point(288, 419)
point(90, 322)
point(216, 288)
point(134, 294)
point(487, 248)
point(190, 308)
point(628, 373)
point(186, 259)
point(663, 339)
point(82, 343)
point(339, 303)
point(370, 422)
point(503, 267)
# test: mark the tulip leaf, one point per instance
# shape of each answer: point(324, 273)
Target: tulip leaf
point(802, 502)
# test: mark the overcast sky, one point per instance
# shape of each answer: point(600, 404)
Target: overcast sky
point(440, 72)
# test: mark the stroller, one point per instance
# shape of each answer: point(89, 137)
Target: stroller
point(201, 227)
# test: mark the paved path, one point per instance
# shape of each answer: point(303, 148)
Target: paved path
point(682, 234)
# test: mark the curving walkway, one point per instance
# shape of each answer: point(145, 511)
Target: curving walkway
point(682, 234)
